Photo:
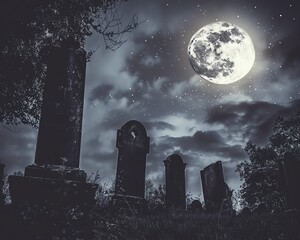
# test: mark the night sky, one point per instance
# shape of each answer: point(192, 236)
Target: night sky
point(150, 79)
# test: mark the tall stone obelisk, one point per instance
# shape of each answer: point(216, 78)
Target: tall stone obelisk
point(55, 175)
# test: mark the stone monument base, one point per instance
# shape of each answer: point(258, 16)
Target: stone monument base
point(55, 172)
point(51, 184)
point(53, 201)
point(129, 203)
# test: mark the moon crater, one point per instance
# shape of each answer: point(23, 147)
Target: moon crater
point(221, 53)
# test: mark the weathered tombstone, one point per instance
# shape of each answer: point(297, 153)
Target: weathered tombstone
point(217, 195)
point(133, 145)
point(291, 169)
point(1, 183)
point(175, 182)
point(55, 176)
point(59, 134)
point(196, 206)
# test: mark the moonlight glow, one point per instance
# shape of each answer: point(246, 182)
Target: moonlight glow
point(221, 53)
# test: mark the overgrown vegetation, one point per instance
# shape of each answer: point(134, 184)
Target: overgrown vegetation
point(30, 28)
point(181, 226)
point(104, 223)
point(263, 180)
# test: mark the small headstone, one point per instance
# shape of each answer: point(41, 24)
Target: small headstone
point(217, 195)
point(175, 182)
point(291, 169)
point(133, 145)
point(196, 206)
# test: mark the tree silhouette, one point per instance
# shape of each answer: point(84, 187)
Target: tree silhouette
point(30, 28)
point(262, 177)
point(286, 136)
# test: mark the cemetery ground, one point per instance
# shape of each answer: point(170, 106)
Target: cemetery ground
point(105, 223)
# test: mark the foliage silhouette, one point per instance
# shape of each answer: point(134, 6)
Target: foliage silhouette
point(30, 28)
point(263, 180)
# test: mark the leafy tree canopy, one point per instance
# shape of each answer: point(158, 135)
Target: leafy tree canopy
point(29, 28)
point(286, 136)
point(263, 180)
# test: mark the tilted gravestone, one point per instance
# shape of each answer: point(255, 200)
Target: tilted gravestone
point(175, 182)
point(217, 195)
point(55, 176)
point(133, 145)
point(59, 134)
point(291, 170)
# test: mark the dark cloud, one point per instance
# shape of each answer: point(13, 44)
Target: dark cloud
point(209, 142)
point(160, 125)
point(285, 53)
point(291, 59)
point(101, 92)
point(167, 51)
point(254, 119)
point(244, 112)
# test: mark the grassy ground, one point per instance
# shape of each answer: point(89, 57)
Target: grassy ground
point(189, 226)
point(103, 224)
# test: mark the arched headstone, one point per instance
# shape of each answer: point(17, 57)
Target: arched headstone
point(133, 145)
point(175, 182)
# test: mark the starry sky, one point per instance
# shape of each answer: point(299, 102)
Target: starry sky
point(150, 79)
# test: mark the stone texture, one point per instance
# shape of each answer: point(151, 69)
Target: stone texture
point(175, 182)
point(56, 172)
point(50, 191)
point(55, 178)
point(59, 134)
point(133, 145)
point(215, 191)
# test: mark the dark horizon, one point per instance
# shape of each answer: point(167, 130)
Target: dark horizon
point(150, 79)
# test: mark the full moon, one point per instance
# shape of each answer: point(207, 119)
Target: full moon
point(221, 52)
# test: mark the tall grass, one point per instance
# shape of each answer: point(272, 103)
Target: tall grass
point(190, 226)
